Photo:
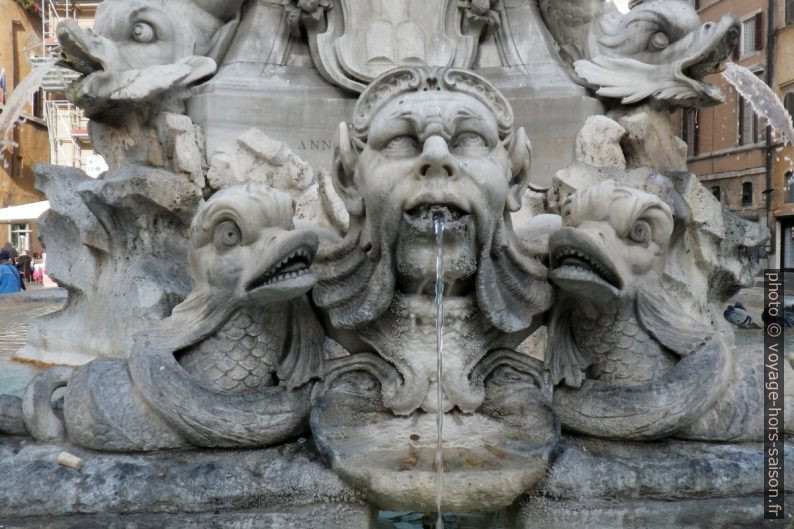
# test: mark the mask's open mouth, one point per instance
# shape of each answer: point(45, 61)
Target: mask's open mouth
point(293, 266)
point(424, 216)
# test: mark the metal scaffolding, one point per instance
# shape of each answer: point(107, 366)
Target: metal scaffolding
point(68, 131)
point(67, 126)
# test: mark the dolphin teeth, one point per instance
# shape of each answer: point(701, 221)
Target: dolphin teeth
point(584, 260)
point(292, 266)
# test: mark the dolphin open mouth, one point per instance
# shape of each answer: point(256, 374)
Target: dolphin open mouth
point(715, 50)
point(570, 257)
point(294, 265)
point(82, 50)
point(711, 57)
point(579, 263)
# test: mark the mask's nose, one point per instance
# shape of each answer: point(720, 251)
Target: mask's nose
point(435, 160)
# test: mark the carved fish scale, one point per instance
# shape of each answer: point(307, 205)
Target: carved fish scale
point(242, 355)
point(621, 351)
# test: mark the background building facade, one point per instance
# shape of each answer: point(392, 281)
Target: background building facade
point(26, 143)
point(782, 165)
point(727, 143)
point(51, 129)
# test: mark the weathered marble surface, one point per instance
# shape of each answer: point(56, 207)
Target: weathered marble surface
point(675, 470)
point(594, 484)
point(720, 513)
point(119, 245)
point(661, 485)
point(283, 487)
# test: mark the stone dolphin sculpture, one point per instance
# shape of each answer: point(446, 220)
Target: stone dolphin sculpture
point(141, 50)
point(634, 362)
point(232, 366)
point(659, 50)
point(634, 366)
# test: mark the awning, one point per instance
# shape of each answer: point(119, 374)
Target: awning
point(23, 213)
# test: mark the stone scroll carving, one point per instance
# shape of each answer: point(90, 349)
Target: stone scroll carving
point(363, 39)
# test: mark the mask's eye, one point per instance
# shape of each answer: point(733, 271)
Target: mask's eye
point(227, 235)
point(143, 32)
point(640, 232)
point(468, 142)
point(402, 146)
point(659, 41)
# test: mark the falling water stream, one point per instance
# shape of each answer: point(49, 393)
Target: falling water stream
point(16, 103)
point(439, 231)
point(764, 101)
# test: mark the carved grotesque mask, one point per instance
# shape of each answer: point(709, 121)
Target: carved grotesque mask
point(433, 154)
point(425, 144)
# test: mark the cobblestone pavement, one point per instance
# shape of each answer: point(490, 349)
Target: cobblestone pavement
point(15, 314)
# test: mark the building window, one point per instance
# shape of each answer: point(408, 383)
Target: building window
point(748, 123)
point(789, 179)
point(689, 131)
point(717, 192)
point(788, 101)
point(16, 163)
point(38, 104)
point(752, 34)
point(789, 11)
point(20, 236)
point(747, 194)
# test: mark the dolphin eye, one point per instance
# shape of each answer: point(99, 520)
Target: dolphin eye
point(227, 235)
point(143, 32)
point(640, 232)
point(659, 41)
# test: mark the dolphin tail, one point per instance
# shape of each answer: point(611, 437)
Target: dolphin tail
point(38, 416)
point(11, 421)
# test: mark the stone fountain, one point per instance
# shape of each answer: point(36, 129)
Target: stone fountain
point(253, 282)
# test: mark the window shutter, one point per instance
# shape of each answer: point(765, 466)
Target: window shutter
point(788, 102)
point(695, 132)
point(690, 131)
point(741, 121)
point(759, 31)
point(685, 125)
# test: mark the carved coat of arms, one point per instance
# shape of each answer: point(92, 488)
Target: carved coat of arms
point(364, 38)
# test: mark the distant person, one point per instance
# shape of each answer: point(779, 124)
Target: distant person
point(25, 266)
point(8, 247)
point(10, 280)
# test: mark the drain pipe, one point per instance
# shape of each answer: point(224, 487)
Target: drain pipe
point(770, 80)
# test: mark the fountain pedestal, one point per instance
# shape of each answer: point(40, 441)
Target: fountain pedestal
point(274, 488)
point(661, 485)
